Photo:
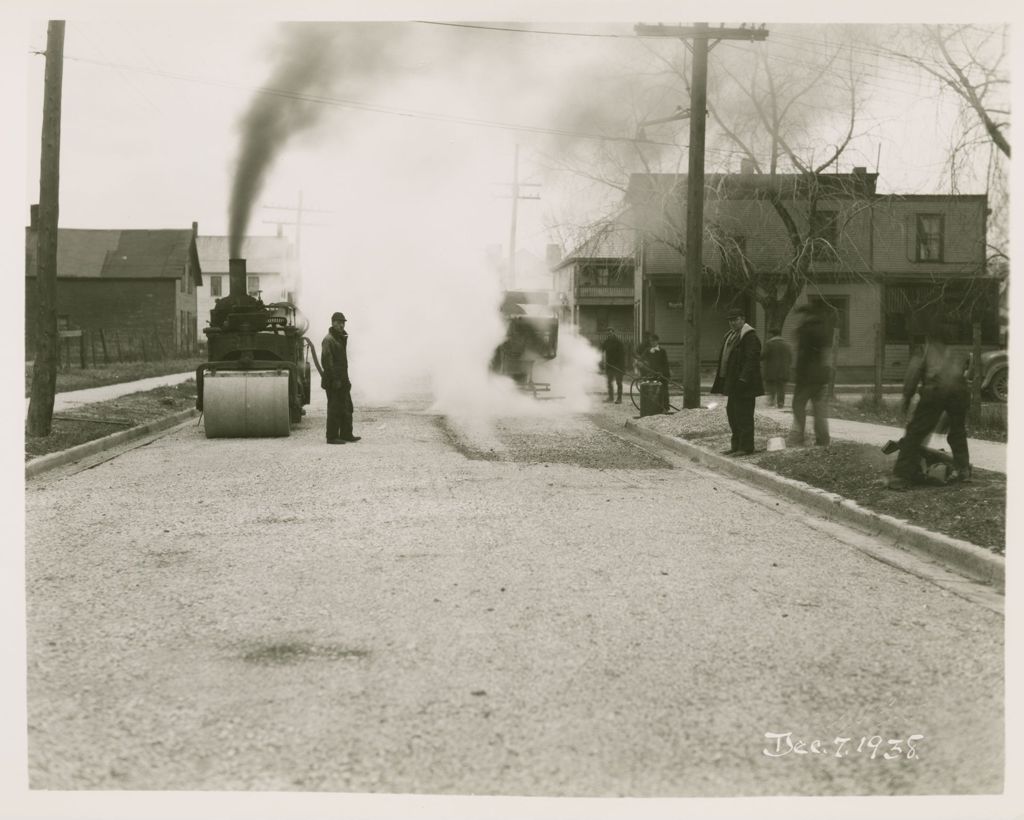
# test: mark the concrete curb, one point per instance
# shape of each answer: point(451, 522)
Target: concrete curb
point(72, 454)
point(966, 558)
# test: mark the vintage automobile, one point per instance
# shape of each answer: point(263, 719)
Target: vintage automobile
point(995, 374)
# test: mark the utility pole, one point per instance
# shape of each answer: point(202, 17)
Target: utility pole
point(298, 223)
point(700, 34)
point(510, 276)
point(44, 371)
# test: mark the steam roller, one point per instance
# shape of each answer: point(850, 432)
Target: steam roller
point(257, 378)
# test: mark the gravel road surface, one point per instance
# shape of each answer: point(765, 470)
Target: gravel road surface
point(540, 607)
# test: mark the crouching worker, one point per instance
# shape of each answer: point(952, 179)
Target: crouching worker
point(938, 374)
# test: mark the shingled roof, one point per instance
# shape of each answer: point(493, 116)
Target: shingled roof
point(128, 254)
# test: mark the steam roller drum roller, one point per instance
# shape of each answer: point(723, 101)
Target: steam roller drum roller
point(240, 404)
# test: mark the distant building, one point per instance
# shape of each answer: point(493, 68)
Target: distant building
point(271, 272)
point(124, 293)
point(594, 287)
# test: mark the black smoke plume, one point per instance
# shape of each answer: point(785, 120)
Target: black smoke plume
point(310, 60)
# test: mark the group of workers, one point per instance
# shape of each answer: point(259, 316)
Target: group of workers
point(747, 370)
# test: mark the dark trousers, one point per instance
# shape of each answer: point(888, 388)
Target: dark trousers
point(932, 404)
point(740, 412)
point(775, 393)
point(339, 413)
point(613, 376)
point(817, 395)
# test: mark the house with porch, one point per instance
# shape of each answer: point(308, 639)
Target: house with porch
point(122, 294)
point(881, 263)
point(594, 284)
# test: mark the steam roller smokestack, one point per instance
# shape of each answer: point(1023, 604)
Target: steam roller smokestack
point(236, 277)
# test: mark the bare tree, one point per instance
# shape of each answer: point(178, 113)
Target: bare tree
point(971, 62)
point(768, 114)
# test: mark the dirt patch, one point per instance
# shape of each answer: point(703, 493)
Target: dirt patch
point(93, 421)
point(974, 511)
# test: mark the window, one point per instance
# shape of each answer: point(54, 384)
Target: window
point(929, 237)
point(63, 321)
point(252, 285)
point(824, 234)
point(837, 312)
point(215, 285)
point(909, 307)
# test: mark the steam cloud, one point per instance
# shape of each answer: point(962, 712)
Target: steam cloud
point(310, 60)
point(405, 260)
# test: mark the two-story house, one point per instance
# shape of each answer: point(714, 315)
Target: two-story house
point(271, 272)
point(882, 263)
point(594, 285)
point(128, 293)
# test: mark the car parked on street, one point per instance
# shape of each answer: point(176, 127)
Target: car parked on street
point(995, 375)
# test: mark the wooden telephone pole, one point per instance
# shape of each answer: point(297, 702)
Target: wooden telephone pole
point(44, 371)
point(700, 34)
point(510, 277)
point(298, 223)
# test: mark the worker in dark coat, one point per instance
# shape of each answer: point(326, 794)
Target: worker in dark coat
point(655, 366)
point(775, 361)
point(938, 374)
point(739, 378)
point(613, 353)
point(334, 360)
point(812, 374)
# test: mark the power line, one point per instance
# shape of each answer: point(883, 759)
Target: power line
point(371, 107)
point(526, 30)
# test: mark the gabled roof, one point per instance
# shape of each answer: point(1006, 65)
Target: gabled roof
point(262, 254)
point(128, 254)
point(749, 185)
point(609, 243)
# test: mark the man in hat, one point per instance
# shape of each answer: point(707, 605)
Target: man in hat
point(813, 374)
point(334, 359)
point(739, 378)
point(614, 356)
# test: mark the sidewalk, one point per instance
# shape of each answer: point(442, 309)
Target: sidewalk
point(76, 398)
point(986, 455)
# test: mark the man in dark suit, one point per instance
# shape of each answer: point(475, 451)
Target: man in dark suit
point(334, 359)
point(614, 353)
point(739, 379)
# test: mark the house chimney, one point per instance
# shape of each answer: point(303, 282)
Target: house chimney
point(860, 170)
point(552, 254)
point(33, 217)
point(746, 166)
point(195, 229)
point(236, 277)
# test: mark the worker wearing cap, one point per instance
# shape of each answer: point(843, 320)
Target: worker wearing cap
point(334, 359)
point(739, 378)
